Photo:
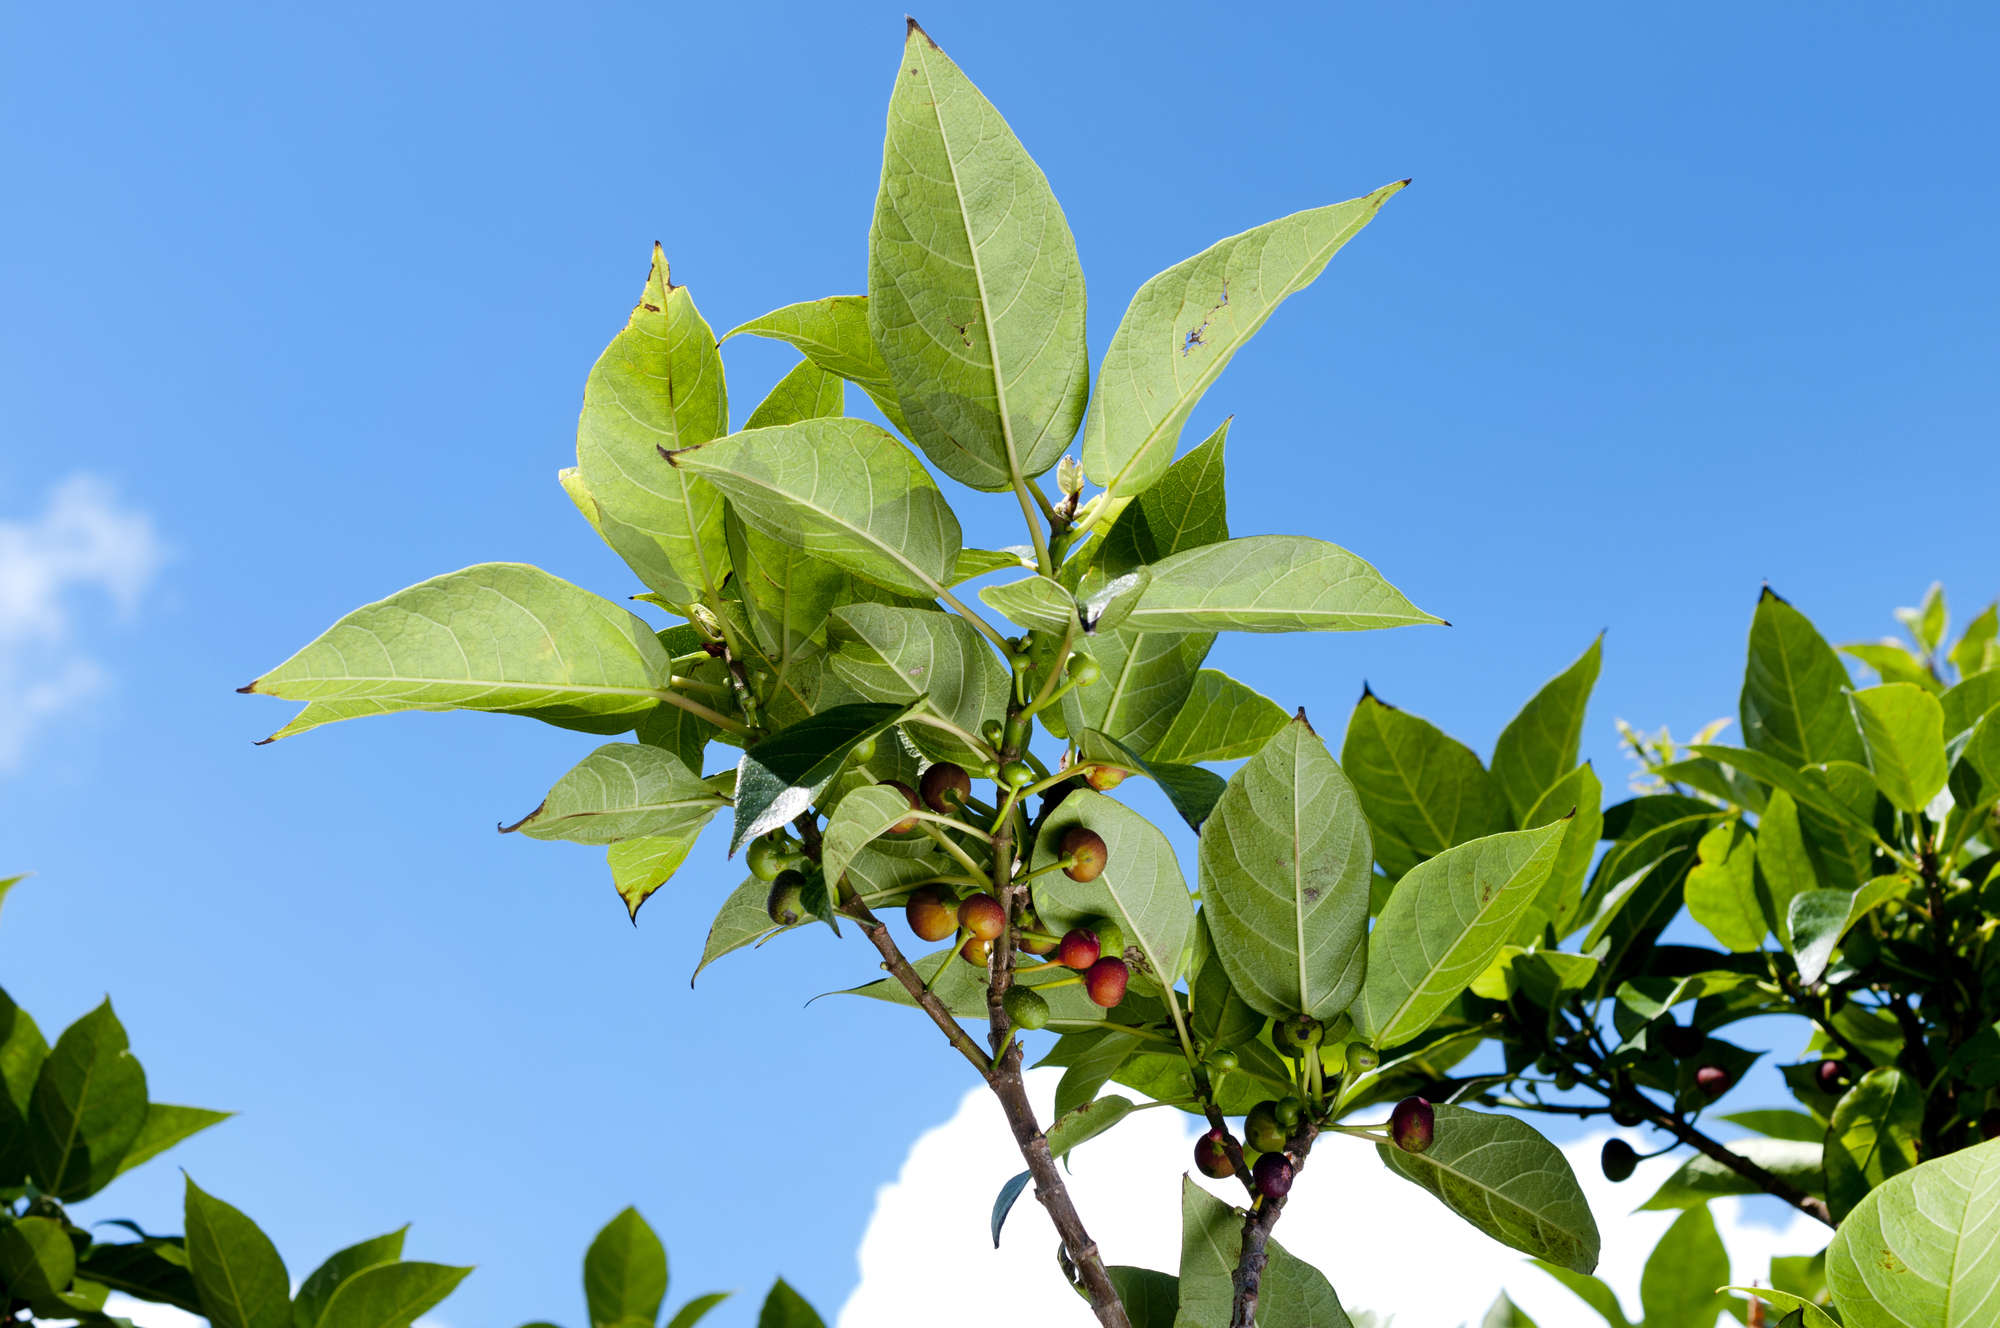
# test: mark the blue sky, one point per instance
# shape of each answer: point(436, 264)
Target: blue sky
point(1681, 301)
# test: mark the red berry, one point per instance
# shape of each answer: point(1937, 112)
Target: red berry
point(1712, 1080)
point(975, 951)
point(1085, 850)
point(931, 913)
point(1413, 1125)
point(1273, 1174)
point(945, 787)
point(983, 916)
point(1078, 949)
point(1829, 1076)
point(1105, 981)
point(1211, 1156)
point(908, 823)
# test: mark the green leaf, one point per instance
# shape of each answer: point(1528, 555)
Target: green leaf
point(897, 654)
point(1497, 1173)
point(22, 1051)
point(1575, 801)
point(625, 1271)
point(1140, 888)
point(1033, 602)
point(499, 636)
point(787, 593)
point(1506, 1314)
point(1979, 649)
point(7, 883)
point(1151, 1298)
point(37, 1261)
point(1294, 1294)
point(1701, 1178)
point(786, 1308)
point(1444, 924)
point(164, 1127)
point(1186, 509)
point(808, 392)
point(1423, 791)
point(961, 988)
point(842, 490)
point(1923, 1249)
point(1184, 325)
point(979, 562)
point(621, 791)
point(1784, 864)
point(1721, 888)
point(1799, 1312)
point(1086, 1072)
point(1592, 1291)
point(237, 1271)
point(1145, 679)
point(1086, 1122)
point(1677, 1289)
point(657, 388)
point(1893, 663)
point(1902, 729)
point(641, 866)
point(153, 1269)
point(833, 334)
point(309, 1306)
point(1284, 878)
point(781, 776)
point(975, 295)
point(1793, 687)
point(1221, 720)
point(1927, 622)
point(87, 1109)
point(1780, 1123)
point(1877, 1126)
point(1003, 1202)
point(1819, 918)
point(688, 1315)
point(1270, 583)
point(743, 920)
point(1539, 745)
point(862, 817)
point(390, 1295)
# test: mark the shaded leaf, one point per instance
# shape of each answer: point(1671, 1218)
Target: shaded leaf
point(1294, 1294)
point(1539, 745)
point(37, 1261)
point(1721, 888)
point(1151, 1298)
point(1677, 1288)
point(781, 776)
point(1876, 1129)
point(87, 1109)
point(1701, 1178)
point(1003, 1203)
point(1221, 720)
point(1819, 918)
point(897, 654)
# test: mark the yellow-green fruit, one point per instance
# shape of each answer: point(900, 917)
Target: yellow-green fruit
point(1261, 1129)
point(1025, 1007)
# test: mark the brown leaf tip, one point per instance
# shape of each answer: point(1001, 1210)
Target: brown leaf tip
point(510, 829)
point(1300, 718)
point(248, 687)
point(916, 29)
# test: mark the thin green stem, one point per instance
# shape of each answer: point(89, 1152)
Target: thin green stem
point(700, 711)
point(985, 629)
point(933, 718)
point(1041, 541)
point(945, 842)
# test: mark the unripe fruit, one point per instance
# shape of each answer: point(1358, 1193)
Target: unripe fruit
point(1565, 1080)
point(989, 770)
point(1104, 778)
point(1028, 944)
point(1413, 1125)
point(1829, 1076)
point(1627, 1112)
point(945, 787)
point(765, 858)
point(1223, 1061)
point(862, 752)
point(992, 730)
point(1289, 1110)
point(1083, 670)
point(786, 903)
point(983, 916)
point(1109, 936)
point(1618, 1160)
point(1025, 1007)
point(1086, 846)
point(1104, 981)
point(976, 952)
point(1361, 1059)
point(1211, 1156)
point(908, 823)
point(1262, 1130)
point(1078, 949)
point(1682, 1041)
point(1017, 774)
point(1712, 1080)
point(931, 913)
point(1296, 1034)
point(1273, 1174)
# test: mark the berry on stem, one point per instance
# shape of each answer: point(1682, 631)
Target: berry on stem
point(945, 787)
point(1273, 1174)
point(1712, 1080)
point(1627, 1112)
point(1211, 1156)
point(766, 857)
point(1296, 1034)
point(861, 753)
point(1618, 1160)
point(1223, 1060)
point(1361, 1059)
point(786, 903)
point(1030, 944)
point(1262, 1130)
point(1413, 1125)
point(1104, 778)
point(1289, 1110)
point(931, 913)
point(1017, 774)
point(1026, 1007)
point(908, 823)
point(1830, 1076)
point(1105, 981)
point(976, 952)
point(983, 916)
point(1083, 670)
point(1078, 949)
point(1084, 849)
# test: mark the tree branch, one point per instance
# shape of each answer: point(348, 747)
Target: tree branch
point(1775, 1186)
point(1248, 1278)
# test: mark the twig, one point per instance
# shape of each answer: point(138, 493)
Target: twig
point(1248, 1279)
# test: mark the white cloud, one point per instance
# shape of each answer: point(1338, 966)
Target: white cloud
point(84, 541)
point(1388, 1246)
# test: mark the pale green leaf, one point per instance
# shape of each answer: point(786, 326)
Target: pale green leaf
point(1780, 1123)
point(1186, 509)
point(787, 592)
point(1270, 583)
point(807, 392)
point(1183, 327)
point(621, 791)
point(1221, 720)
point(1034, 602)
point(1902, 731)
point(975, 296)
point(1678, 1286)
point(1574, 799)
point(1784, 864)
point(1539, 745)
point(390, 1295)
point(1928, 621)
point(1145, 678)
point(978, 562)
point(1140, 888)
point(1444, 924)
point(1978, 650)
point(1721, 888)
point(1084, 1123)
point(833, 334)
point(1877, 1127)
point(1893, 662)
point(862, 817)
point(1423, 791)
point(1294, 1293)
point(1923, 1249)
point(1504, 1313)
point(641, 866)
point(692, 1313)
point(1792, 703)
point(498, 636)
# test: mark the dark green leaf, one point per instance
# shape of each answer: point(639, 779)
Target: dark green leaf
point(389, 1295)
point(625, 1272)
point(309, 1306)
point(88, 1107)
point(1422, 791)
point(1539, 745)
point(1152, 1299)
point(688, 1315)
point(1877, 1127)
point(166, 1126)
point(37, 1261)
point(1003, 1203)
point(237, 1272)
point(1793, 700)
point(1678, 1287)
point(781, 776)
point(22, 1051)
point(154, 1270)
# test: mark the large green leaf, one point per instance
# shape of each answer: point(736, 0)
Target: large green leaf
point(807, 392)
point(1151, 1298)
point(833, 334)
point(787, 593)
point(1721, 888)
point(1784, 864)
point(1293, 1294)
point(1186, 509)
point(975, 296)
point(1701, 1178)
point(165, 1126)
point(1033, 602)
point(1422, 790)
point(1284, 863)
point(842, 490)
point(1221, 720)
point(1793, 704)
point(1678, 1286)
point(154, 1270)
point(37, 1261)
point(641, 866)
point(1978, 649)
point(1574, 800)
point(390, 1295)
point(1876, 1130)
point(781, 776)
point(1819, 918)
point(896, 654)
point(621, 791)
point(1145, 678)
point(1539, 745)
point(1141, 887)
point(1445, 923)
point(1185, 324)
point(657, 388)
point(1084, 1123)
point(1923, 1249)
point(1902, 731)
point(310, 1303)
point(625, 1272)
point(498, 636)
point(1270, 583)
point(1507, 1180)
point(87, 1108)
point(22, 1051)
point(237, 1271)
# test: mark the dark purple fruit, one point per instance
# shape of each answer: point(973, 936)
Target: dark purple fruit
point(931, 913)
point(945, 787)
point(1084, 850)
point(1413, 1125)
point(1211, 1156)
point(1105, 980)
point(1273, 1174)
point(1830, 1076)
point(1618, 1160)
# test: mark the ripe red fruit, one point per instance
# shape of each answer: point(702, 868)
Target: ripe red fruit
point(931, 913)
point(975, 951)
point(1712, 1080)
point(1104, 981)
point(1618, 1160)
point(1829, 1076)
point(908, 823)
point(1085, 848)
point(945, 787)
point(1273, 1174)
point(1078, 949)
point(1211, 1156)
point(983, 916)
point(1413, 1125)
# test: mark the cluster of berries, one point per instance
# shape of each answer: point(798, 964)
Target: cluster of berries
point(1268, 1129)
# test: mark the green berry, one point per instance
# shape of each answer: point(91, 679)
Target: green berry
point(786, 903)
point(1223, 1061)
point(863, 752)
point(992, 730)
point(766, 857)
point(1361, 1059)
point(1026, 1007)
point(1289, 1110)
point(1083, 670)
point(1262, 1129)
point(1296, 1034)
point(990, 770)
point(1017, 774)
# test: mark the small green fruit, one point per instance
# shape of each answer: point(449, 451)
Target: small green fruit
point(1026, 1007)
point(1017, 774)
point(1262, 1129)
point(1104, 778)
point(1627, 1112)
point(992, 730)
point(990, 771)
point(1296, 1034)
point(1083, 670)
point(1361, 1059)
point(1289, 1110)
point(1108, 935)
point(786, 903)
point(1222, 1061)
point(1565, 1080)
point(766, 857)
point(863, 752)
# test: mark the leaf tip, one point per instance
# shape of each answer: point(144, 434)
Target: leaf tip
point(506, 829)
point(1301, 720)
point(913, 30)
point(248, 687)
